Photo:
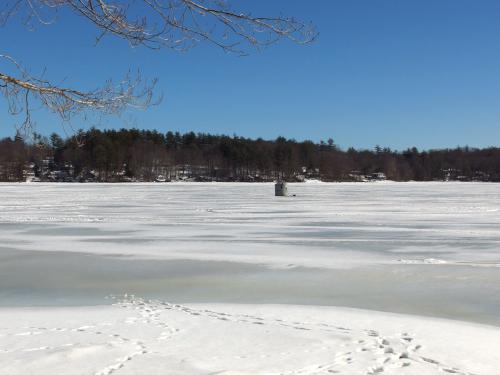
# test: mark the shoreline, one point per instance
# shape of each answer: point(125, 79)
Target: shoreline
point(135, 335)
point(310, 182)
point(79, 279)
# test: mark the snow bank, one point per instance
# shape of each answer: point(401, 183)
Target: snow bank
point(152, 337)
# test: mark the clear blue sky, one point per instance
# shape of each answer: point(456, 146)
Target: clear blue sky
point(396, 73)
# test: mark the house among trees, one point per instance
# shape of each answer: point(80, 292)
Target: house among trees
point(377, 176)
point(129, 155)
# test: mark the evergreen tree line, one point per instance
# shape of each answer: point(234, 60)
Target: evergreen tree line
point(144, 155)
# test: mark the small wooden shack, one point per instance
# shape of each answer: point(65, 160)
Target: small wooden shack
point(280, 189)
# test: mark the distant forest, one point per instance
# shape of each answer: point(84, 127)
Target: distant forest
point(144, 155)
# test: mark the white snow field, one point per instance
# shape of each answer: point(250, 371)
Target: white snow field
point(237, 281)
point(138, 337)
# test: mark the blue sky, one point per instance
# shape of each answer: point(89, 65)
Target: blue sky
point(396, 73)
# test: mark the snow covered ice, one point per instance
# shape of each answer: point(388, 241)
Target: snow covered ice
point(214, 261)
point(358, 223)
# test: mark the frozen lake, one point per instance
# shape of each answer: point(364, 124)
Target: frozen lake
point(418, 248)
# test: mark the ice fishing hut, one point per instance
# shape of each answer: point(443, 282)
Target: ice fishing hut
point(280, 189)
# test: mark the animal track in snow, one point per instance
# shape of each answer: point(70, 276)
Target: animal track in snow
point(378, 352)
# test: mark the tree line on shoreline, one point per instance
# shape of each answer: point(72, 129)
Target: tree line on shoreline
point(148, 155)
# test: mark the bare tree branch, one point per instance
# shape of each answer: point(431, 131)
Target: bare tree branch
point(112, 98)
point(176, 24)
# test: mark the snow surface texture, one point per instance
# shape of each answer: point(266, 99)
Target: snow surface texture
point(151, 337)
point(335, 228)
point(325, 225)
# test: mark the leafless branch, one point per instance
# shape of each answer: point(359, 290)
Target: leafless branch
point(176, 24)
point(112, 98)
